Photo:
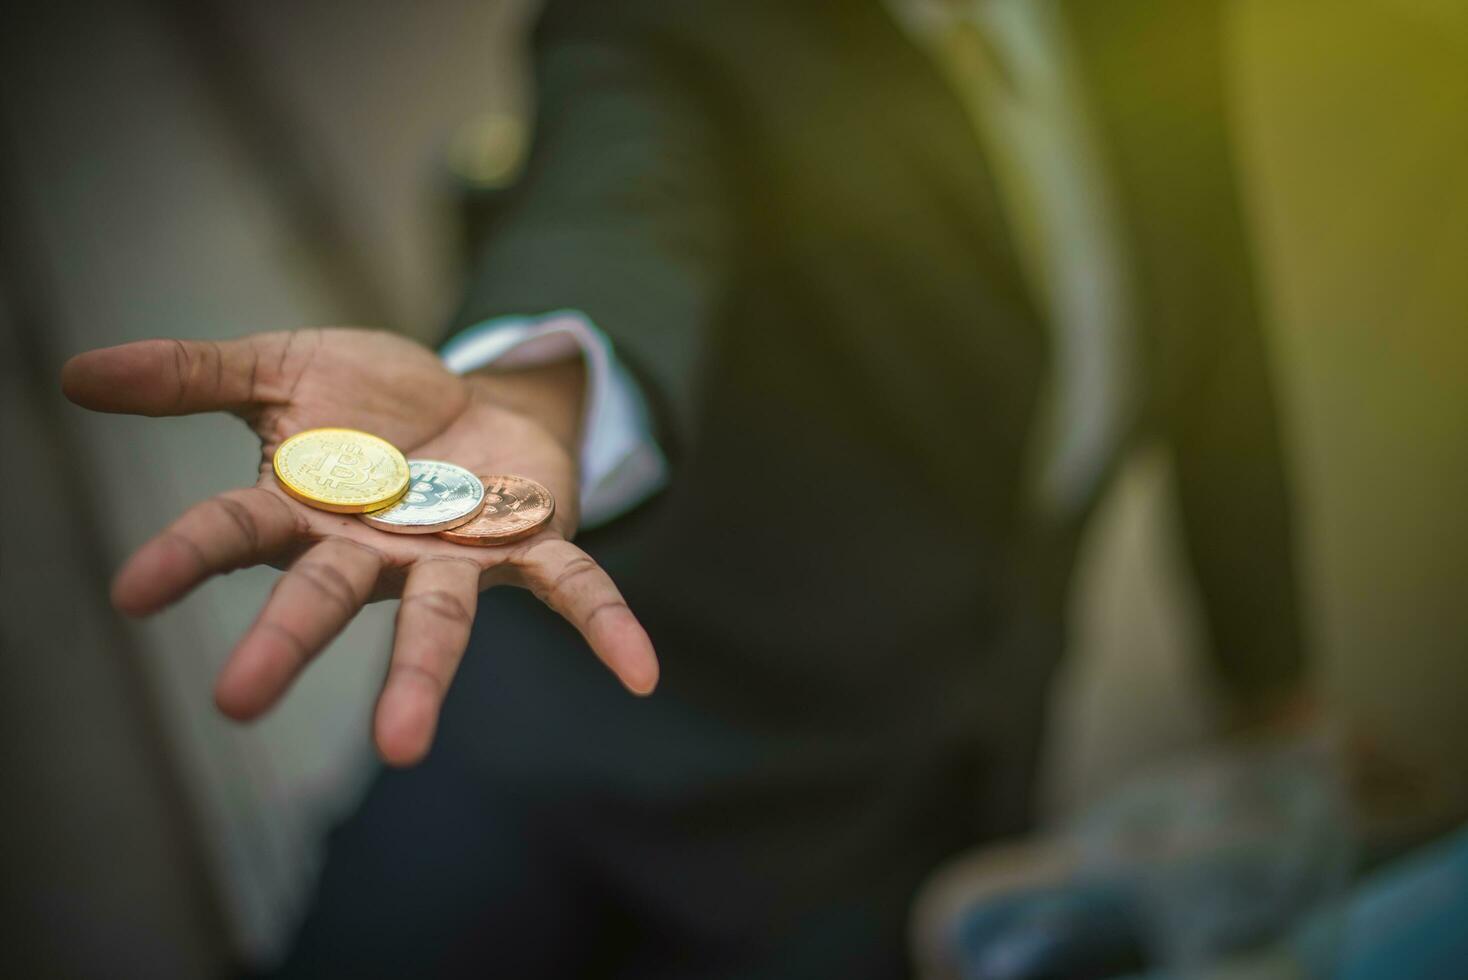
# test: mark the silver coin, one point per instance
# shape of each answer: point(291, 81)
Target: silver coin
point(440, 496)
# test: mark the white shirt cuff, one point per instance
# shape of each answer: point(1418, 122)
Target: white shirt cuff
point(621, 464)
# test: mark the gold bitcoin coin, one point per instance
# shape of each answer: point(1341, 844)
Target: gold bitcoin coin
point(341, 470)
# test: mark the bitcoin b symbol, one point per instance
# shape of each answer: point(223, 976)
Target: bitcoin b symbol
point(345, 467)
point(419, 493)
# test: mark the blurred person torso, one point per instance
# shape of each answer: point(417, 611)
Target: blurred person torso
point(902, 280)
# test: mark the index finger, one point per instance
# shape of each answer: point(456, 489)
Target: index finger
point(230, 531)
point(168, 377)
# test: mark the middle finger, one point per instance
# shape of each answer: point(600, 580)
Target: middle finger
point(433, 628)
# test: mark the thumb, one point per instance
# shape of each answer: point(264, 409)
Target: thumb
point(165, 377)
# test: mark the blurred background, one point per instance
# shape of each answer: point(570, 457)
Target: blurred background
point(199, 169)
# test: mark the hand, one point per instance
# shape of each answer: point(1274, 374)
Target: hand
point(283, 383)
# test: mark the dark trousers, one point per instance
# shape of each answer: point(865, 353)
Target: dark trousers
point(562, 828)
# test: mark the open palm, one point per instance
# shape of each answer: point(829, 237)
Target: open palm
point(283, 383)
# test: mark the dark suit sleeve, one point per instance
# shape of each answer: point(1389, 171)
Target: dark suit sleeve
point(1215, 398)
point(1225, 429)
point(622, 212)
point(1236, 518)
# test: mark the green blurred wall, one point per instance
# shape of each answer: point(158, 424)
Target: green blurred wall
point(1354, 126)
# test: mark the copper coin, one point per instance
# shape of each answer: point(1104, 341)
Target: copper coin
point(514, 508)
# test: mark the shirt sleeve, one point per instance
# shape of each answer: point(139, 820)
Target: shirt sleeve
point(621, 463)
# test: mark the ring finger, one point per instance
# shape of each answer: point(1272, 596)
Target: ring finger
point(310, 604)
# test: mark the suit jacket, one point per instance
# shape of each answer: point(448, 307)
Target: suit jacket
point(782, 215)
